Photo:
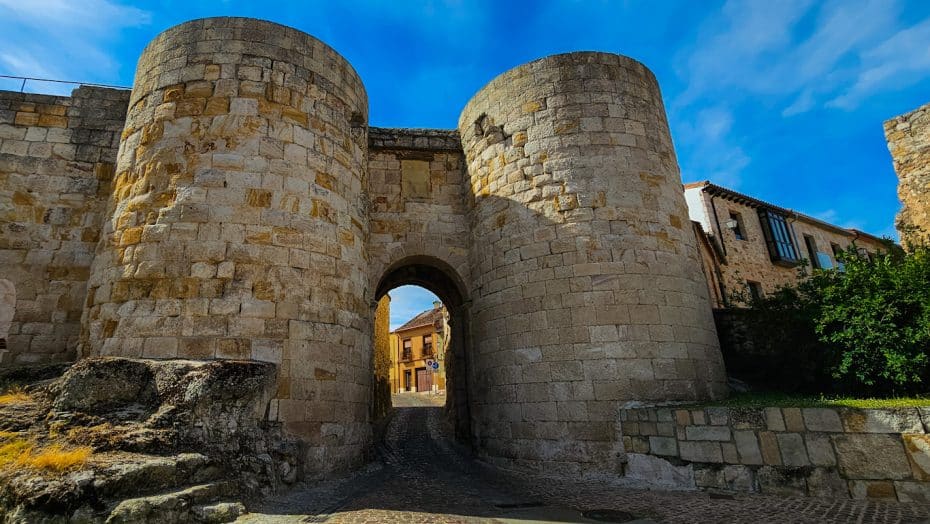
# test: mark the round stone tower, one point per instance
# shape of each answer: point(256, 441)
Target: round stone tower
point(237, 225)
point(588, 286)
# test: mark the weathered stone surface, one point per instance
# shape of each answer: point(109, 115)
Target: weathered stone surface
point(871, 456)
point(719, 433)
point(660, 471)
point(774, 419)
point(908, 136)
point(700, 451)
point(908, 491)
point(747, 447)
point(918, 451)
point(820, 450)
point(793, 452)
point(872, 489)
point(826, 482)
point(663, 446)
point(777, 480)
point(902, 420)
point(822, 419)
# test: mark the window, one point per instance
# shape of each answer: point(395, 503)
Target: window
point(428, 345)
point(778, 237)
point(837, 253)
point(408, 349)
point(736, 224)
point(407, 377)
point(812, 251)
point(755, 290)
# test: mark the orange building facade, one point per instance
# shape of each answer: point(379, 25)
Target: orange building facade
point(415, 347)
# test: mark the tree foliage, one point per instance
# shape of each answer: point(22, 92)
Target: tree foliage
point(863, 329)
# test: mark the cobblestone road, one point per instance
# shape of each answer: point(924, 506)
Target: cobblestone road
point(421, 477)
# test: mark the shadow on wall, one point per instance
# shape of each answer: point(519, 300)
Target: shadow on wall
point(7, 310)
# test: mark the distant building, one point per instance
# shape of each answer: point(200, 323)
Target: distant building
point(414, 345)
point(751, 246)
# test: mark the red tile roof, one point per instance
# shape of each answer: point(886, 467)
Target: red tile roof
point(430, 317)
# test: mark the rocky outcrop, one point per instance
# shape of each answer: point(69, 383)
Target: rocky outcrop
point(172, 441)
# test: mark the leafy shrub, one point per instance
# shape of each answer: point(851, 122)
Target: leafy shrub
point(864, 330)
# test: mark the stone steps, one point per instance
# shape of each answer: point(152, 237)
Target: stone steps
point(199, 504)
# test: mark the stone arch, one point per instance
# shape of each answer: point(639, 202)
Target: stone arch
point(7, 310)
point(445, 282)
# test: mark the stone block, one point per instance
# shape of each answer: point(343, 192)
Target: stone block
point(871, 456)
point(701, 451)
point(719, 433)
point(918, 451)
point(717, 416)
point(729, 453)
point(907, 491)
point(682, 417)
point(793, 452)
point(872, 489)
point(793, 419)
point(769, 445)
point(774, 420)
point(822, 419)
point(747, 446)
point(664, 446)
point(904, 420)
point(827, 483)
point(781, 481)
point(820, 450)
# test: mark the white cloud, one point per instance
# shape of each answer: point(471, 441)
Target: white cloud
point(901, 61)
point(710, 150)
point(63, 39)
point(804, 55)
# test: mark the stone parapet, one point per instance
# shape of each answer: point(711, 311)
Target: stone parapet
point(823, 452)
point(414, 139)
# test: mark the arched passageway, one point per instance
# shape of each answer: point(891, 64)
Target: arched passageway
point(442, 280)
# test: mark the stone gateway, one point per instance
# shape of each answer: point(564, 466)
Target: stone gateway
point(251, 213)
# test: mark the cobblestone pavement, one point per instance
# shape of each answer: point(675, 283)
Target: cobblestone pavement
point(421, 477)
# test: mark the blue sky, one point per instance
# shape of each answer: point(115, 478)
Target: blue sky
point(783, 99)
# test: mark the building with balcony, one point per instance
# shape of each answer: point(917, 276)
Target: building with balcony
point(415, 346)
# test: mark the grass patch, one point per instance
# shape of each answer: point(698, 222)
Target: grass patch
point(18, 453)
point(782, 400)
point(58, 458)
point(14, 395)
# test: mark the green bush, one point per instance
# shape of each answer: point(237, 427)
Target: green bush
point(864, 330)
point(875, 316)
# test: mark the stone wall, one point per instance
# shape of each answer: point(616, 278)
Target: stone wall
point(56, 166)
point(824, 452)
point(418, 207)
point(908, 138)
point(587, 288)
point(238, 227)
point(252, 214)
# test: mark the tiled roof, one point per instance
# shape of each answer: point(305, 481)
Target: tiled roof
point(430, 317)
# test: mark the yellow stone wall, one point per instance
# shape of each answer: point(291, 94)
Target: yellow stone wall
point(908, 137)
point(381, 387)
point(56, 165)
point(238, 227)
